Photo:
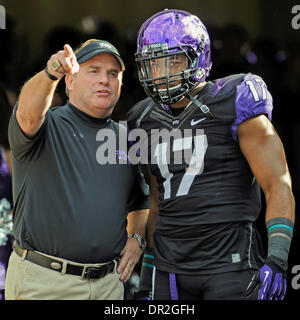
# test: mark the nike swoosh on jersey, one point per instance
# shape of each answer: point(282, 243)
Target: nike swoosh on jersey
point(193, 122)
point(266, 276)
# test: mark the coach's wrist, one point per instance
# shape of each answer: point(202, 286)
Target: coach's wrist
point(49, 75)
point(141, 241)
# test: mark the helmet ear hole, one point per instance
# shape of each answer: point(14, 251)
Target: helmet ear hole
point(199, 74)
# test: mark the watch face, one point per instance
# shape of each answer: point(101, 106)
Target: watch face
point(141, 240)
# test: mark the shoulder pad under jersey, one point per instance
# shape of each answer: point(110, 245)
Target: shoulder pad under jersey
point(225, 86)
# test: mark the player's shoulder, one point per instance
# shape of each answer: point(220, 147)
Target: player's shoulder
point(252, 77)
point(137, 110)
point(253, 88)
point(252, 99)
point(222, 87)
point(230, 80)
point(139, 107)
point(118, 127)
point(228, 85)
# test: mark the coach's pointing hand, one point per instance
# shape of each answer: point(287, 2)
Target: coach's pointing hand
point(62, 62)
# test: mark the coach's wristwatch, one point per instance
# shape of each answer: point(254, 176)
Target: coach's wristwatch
point(141, 241)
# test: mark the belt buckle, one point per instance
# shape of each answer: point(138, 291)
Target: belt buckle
point(95, 272)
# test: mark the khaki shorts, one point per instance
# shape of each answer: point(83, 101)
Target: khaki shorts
point(28, 281)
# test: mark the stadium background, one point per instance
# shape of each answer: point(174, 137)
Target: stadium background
point(247, 36)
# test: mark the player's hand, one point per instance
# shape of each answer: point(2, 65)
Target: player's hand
point(271, 280)
point(62, 62)
point(130, 256)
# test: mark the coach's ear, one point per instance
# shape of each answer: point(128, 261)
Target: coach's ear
point(69, 81)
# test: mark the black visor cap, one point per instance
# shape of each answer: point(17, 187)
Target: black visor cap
point(98, 47)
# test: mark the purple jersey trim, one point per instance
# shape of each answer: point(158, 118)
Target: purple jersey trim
point(245, 105)
point(173, 286)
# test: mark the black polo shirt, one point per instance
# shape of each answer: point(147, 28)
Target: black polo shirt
point(66, 203)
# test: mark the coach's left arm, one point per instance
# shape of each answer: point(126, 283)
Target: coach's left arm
point(130, 255)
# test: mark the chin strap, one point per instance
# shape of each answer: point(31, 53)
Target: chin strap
point(204, 108)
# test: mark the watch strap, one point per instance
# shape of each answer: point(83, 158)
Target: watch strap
point(50, 76)
point(140, 240)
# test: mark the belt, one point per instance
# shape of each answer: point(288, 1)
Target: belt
point(56, 265)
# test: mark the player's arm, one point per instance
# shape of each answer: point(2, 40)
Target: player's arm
point(37, 93)
point(265, 154)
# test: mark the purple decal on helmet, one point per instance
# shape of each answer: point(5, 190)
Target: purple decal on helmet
point(252, 99)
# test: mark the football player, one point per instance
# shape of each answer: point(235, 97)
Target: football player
point(202, 239)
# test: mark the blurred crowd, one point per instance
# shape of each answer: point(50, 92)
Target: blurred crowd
point(233, 51)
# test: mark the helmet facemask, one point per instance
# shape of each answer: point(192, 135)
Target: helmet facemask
point(167, 74)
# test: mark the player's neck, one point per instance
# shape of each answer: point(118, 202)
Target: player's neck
point(185, 101)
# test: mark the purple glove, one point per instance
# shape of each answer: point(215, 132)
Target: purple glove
point(273, 284)
point(272, 281)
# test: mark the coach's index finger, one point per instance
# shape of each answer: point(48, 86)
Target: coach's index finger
point(69, 51)
point(71, 59)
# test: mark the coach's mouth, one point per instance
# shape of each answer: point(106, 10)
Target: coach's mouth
point(103, 93)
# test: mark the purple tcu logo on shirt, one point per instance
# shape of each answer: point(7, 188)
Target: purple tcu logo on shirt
point(122, 155)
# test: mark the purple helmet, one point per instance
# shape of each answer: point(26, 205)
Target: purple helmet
point(172, 34)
